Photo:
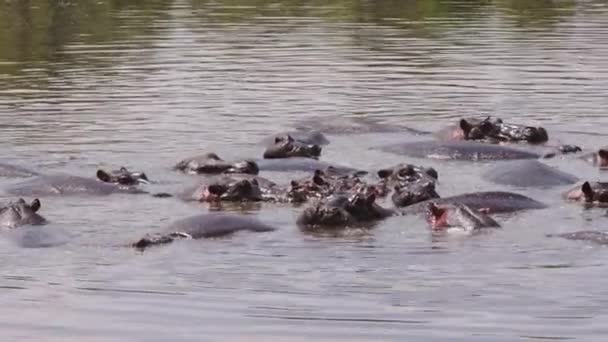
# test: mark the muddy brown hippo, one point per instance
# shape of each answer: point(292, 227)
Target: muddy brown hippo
point(210, 225)
point(493, 130)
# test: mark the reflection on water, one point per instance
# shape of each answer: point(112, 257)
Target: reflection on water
point(87, 84)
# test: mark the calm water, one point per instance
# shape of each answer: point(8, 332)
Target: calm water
point(146, 83)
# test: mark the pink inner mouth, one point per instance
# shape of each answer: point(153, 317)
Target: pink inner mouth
point(439, 222)
point(208, 196)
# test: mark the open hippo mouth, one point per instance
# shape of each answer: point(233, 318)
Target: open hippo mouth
point(19, 212)
point(242, 190)
point(122, 177)
point(286, 147)
point(408, 194)
point(446, 216)
point(496, 130)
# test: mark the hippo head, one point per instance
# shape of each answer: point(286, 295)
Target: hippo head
point(408, 173)
point(122, 177)
point(159, 239)
point(479, 130)
point(516, 133)
point(19, 213)
point(341, 210)
point(286, 147)
point(237, 191)
point(445, 216)
point(244, 166)
point(406, 195)
point(597, 194)
point(301, 190)
point(602, 158)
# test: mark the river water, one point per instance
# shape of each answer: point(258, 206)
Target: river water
point(143, 84)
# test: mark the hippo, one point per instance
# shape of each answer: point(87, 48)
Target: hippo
point(490, 201)
point(406, 195)
point(585, 235)
point(341, 211)
point(19, 213)
point(231, 188)
point(599, 158)
point(407, 173)
point(123, 177)
point(444, 216)
point(493, 130)
point(211, 163)
point(211, 225)
point(595, 193)
point(528, 173)
point(303, 164)
point(14, 171)
point(287, 147)
point(308, 137)
point(65, 184)
point(459, 150)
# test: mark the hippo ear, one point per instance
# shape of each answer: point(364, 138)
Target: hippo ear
point(603, 154)
point(385, 173)
point(432, 172)
point(123, 169)
point(104, 176)
point(278, 139)
point(289, 138)
point(587, 191)
point(465, 126)
point(294, 184)
point(35, 205)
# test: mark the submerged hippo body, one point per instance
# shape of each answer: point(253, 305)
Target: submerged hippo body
point(19, 213)
point(489, 201)
point(205, 226)
point(458, 150)
point(64, 184)
point(528, 173)
point(585, 235)
point(443, 217)
point(302, 164)
point(211, 163)
point(14, 171)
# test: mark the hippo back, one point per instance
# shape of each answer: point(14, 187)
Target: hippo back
point(458, 150)
point(63, 184)
point(217, 224)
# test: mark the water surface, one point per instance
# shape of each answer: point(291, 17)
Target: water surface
point(143, 84)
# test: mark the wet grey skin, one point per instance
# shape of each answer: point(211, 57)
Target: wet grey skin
point(408, 173)
point(589, 193)
point(211, 163)
point(447, 215)
point(493, 130)
point(303, 164)
point(341, 211)
point(64, 184)
point(528, 173)
point(490, 201)
point(212, 225)
point(229, 189)
point(19, 213)
point(14, 171)
point(593, 236)
point(598, 158)
point(123, 177)
point(408, 194)
point(308, 137)
point(287, 147)
point(459, 150)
